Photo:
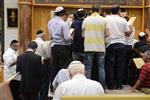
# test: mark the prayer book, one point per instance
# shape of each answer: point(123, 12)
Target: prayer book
point(139, 62)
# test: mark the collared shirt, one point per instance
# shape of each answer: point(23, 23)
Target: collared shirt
point(94, 28)
point(40, 49)
point(10, 56)
point(43, 49)
point(62, 76)
point(59, 31)
point(118, 27)
point(79, 85)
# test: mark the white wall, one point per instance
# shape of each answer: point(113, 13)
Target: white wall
point(10, 33)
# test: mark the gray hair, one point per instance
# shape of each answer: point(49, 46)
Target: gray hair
point(76, 67)
point(147, 54)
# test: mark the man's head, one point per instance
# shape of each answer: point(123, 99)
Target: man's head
point(32, 45)
point(106, 12)
point(61, 12)
point(40, 34)
point(115, 9)
point(146, 56)
point(14, 45)
point(96, 8)
point(81, 13)
point(142, 36)
point(76, 67)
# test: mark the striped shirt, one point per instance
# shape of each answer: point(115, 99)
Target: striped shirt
point(59, 30)
point(145, 75)
point(94, 33)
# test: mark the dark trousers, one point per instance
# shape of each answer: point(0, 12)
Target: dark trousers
point(30, 96)
point(61, 57)
point(128, 62)
point(45, 79)
point(115, 63)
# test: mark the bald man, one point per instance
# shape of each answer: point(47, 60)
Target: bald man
point(79, 85)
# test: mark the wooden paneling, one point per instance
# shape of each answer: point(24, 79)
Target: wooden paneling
point(138, 22)
point(41, 15)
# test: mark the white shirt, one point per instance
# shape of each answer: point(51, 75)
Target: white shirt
point(79, 85)
point(118, 27)
point(10, 56)
point(62, 76)
point(130, 39)
point(40, 50)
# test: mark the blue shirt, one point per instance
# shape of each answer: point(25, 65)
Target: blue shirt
point(78, 40)
point(59, 31)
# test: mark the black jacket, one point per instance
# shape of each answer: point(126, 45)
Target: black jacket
point(29, 65)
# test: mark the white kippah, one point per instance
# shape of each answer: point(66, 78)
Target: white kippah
point(80, 9)
point(40, 35)
point(141, 34)
point(58, 9)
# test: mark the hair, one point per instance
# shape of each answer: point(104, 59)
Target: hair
point(13, 41)
point(126, 18)
point(32, 45)
point(107, 11)
point(39, 32)
point(61, 13)
point(81, 13)
point(147, 53)
point(95, 8)
point(115, 9)
point(76, 67)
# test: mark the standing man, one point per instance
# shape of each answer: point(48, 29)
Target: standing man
point(61, 41)
point(10, 58)
point(29, 65)
point(115, 54)
point(42, 51)
point(95, 31)
point(78, 39)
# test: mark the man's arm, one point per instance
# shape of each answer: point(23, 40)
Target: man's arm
point(137, 84)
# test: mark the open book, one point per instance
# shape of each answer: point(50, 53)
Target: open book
point(131, 20)
point(139, 62)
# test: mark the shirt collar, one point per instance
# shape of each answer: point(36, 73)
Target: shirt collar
point(12, 50)
point(95, 14)
point(78, 76)
point(30, 50)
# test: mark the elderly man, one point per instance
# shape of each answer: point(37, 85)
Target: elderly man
point(10, 58)
point(79, 85)
point(143, 82)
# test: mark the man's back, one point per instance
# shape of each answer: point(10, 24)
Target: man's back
point(94, 34)
point(29, 65)
point(78, 86)
point(118, 27)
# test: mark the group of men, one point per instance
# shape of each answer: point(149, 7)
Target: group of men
point(94, 39)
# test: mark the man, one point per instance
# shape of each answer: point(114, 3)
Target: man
point(79, 85)
point(42, 51)
point(115, 53)
point(95, 30)
point(61, 41)
point(62, 76)
point(143, 82)
point(142, 45)
point(29, 65)
point(78, 40)
point(10, 57)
